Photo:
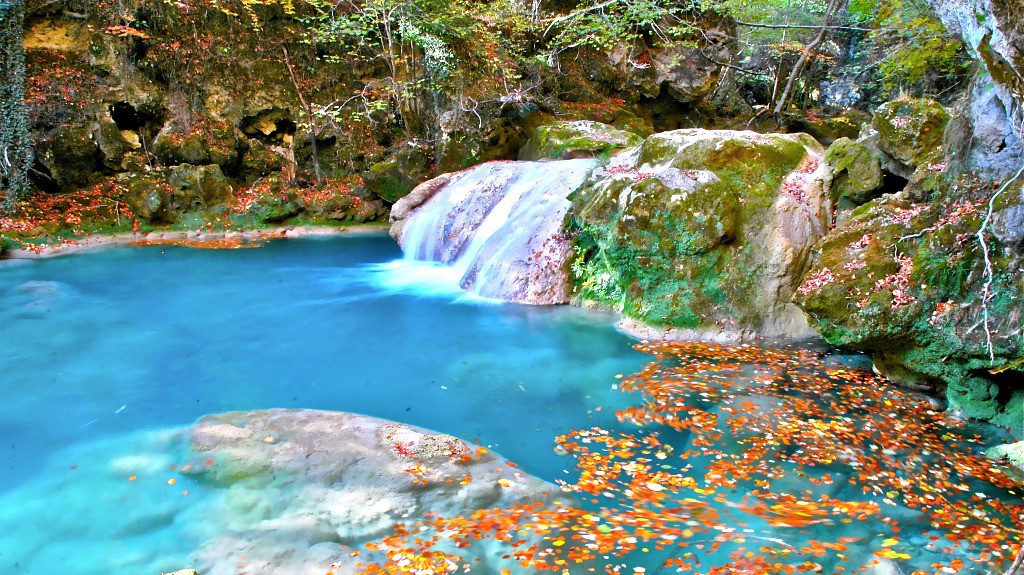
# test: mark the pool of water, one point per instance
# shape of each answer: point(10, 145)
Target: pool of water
point(108, 356)
point(104, 349)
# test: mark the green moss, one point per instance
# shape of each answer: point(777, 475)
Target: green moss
point(857, 173)
point(578, 139)
point(908, 279)
point(675, 236)
point(910, 130)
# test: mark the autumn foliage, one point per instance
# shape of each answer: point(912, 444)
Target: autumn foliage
point(747, 460)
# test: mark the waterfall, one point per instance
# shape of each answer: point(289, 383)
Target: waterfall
point(499, 227)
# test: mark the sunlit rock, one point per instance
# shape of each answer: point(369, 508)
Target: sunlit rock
point(579, 139)
point(302, 483)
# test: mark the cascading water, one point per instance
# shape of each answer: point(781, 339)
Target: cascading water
point(498, 226)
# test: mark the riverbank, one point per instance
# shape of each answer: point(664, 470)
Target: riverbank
point(227, 239)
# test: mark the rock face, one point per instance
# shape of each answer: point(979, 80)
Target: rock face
point(168, 195)
point(302, 483)
point(991, 119)
point(907, 281)
point(705, 232)
point(580, 139)
point(499, 226)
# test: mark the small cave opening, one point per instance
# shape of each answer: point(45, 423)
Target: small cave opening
point(892, 183)
point(270, 126)
point(667, 113)
point(1007, 381)
point(125, 116)
point(41, 176)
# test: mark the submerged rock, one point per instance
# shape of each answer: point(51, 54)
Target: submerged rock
point(707, 233)
point(580, 139)
point(302, 483)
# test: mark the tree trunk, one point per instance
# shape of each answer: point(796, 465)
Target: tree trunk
point(309, 117)
point(783, 102)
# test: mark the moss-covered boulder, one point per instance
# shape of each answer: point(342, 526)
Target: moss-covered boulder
point(1012, 453)
point(203, 142)
point(405, 167)
point(910, 130)
point(198, 187)
point(856, 173)
point(908, 282)
point(164, 196)
point(577, 139)
point(71, 157)
point(705, 232)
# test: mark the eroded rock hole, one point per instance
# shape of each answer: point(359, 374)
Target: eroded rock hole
point(125, 116)
point(891, 183)
point(270, 126)
point(1007, 382)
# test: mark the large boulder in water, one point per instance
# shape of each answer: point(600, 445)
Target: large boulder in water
point(704, 233)
point(302, 483)
point(499, 225)
point(908, 282)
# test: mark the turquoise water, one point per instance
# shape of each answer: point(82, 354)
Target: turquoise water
point(109, 356)
point(103, 351)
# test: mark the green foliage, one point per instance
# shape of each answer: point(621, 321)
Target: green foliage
point(611, 24)
point(916, 53)
point(15, 145)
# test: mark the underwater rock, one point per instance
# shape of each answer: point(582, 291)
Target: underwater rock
point(302, 483)
point(579, 139)
point(703, 233)
point(499, 225)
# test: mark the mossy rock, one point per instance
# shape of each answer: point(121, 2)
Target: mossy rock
point(1011, 453)
point(856, 173)
point(827, 129)
point(205, 143)
point(703, 230)
point(906, 280)
point(72, 157)
point(114, 145)
point(198, 188)
point(148, 195)
point(910, 130)
point(405, 167)
point(576, 139)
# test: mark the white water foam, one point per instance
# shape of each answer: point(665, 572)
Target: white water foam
point(499, 228)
